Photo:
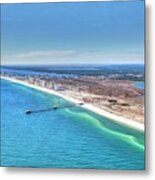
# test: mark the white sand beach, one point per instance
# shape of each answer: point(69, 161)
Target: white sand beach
point(111, 116)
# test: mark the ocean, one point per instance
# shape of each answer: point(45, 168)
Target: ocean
point(65, 138)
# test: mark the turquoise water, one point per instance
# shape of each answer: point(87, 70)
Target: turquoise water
point(65, 138)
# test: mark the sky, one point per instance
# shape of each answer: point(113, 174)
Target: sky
point(73, 33)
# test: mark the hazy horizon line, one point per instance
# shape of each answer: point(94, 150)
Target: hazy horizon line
point(73, 64)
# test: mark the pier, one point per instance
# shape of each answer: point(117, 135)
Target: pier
point(55, 107)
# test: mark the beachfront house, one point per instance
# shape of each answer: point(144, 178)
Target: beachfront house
point(58, 87)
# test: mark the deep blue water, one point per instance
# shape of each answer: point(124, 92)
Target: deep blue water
point(75, 70)
point(65, 138)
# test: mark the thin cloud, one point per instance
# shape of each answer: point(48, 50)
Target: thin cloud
point(73, 56)
point(48, 54)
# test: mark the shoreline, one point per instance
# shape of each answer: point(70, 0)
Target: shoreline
point(111, 116)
